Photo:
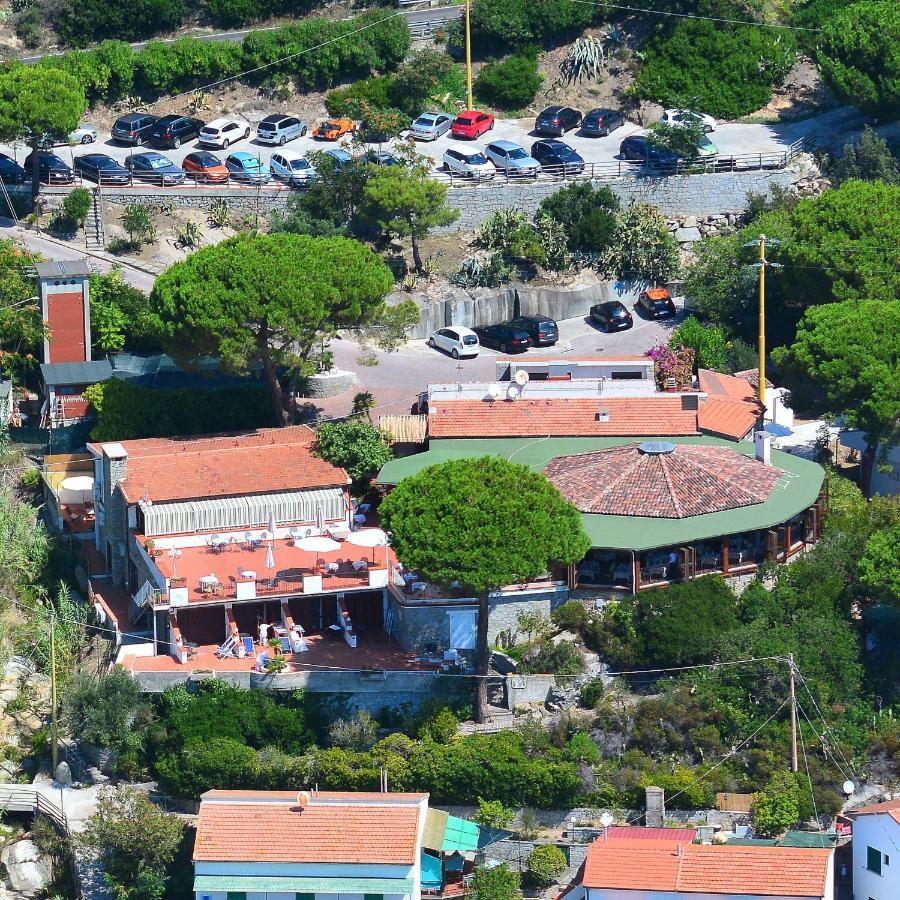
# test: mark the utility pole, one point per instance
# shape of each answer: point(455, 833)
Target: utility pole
point(794, 762)
point(761, 265)
point(469, 102)
point(54, 735)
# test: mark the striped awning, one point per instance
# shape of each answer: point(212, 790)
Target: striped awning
point(249, 511)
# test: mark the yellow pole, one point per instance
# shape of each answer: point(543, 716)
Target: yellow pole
point(54, 743)
point(469, 102)
point(762, 319)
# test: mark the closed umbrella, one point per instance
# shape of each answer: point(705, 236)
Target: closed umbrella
point(270, 557)
point(272, 523)
point(369, 537)
point(317, 544)
point(320, 518)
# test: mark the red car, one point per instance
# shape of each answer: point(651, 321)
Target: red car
point(471, 124)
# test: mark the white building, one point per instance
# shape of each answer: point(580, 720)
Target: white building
point(876, 851)
point(281, 845)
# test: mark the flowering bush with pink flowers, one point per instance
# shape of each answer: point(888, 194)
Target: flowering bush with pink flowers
point(672, 363)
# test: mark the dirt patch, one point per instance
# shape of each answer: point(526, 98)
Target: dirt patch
point(802, 94)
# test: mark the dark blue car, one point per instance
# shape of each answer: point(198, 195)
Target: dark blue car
point(558, 157)
point(639, 148)
point(101, 168)
point(154, 168)
point(10, 171)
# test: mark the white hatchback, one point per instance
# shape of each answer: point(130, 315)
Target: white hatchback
point(455, 340)
point(468, 162)
point(291, 167)
point(681, 117)
point(224, 132)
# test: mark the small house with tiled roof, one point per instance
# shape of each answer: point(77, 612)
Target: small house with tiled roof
point(309, 845)
point(876, 851)
point(673, 868)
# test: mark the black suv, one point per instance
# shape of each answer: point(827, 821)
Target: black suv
point(612, 315)
point(505, 338)
point(132, 129)
point(541, 329)
point(600, 122)
point(173, 131)
point(10, 171)
point(557, 120)
point(51, 169)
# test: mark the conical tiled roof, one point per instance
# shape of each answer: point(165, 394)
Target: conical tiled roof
point(672, 481)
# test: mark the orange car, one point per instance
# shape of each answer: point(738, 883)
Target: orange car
point(332, 129)
point(203, 166)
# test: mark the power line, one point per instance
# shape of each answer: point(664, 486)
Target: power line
point(678, 15)
point(812, 793)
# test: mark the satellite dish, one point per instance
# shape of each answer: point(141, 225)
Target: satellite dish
point(495, 391)
point(303, 798)
point(513, 392)
point(606, 820)
point(522, 377)
point(848, 787)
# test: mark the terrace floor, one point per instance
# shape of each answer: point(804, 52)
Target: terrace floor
point(374, 651)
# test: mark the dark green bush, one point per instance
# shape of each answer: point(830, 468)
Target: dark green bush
point(217, 763)
point(77, 204)
point(570, 616)
point(545, 864)
point(559, 658)
point(592, 693)
point(726, 70)
point(509, 83)
point(80, 22)
point(513, 24)
point(29, 26)
point(586, 212)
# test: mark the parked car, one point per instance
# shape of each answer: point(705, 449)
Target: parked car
point(202, 165)
point(471, 123)
point(457, 341)
point(224, 132)
point(656, 303)
point(512, 159)
point(291, 167)
point(246, 167)
point(333, 129)
point(173, 131)
point(133, 127)
point(51, 169)
point(557, 120)
point(505, 337)
point(420, 405)
point(154, 168)
point(542, 330)
point(340, 157)
point(706, 149)
point(279, 129)
point(468, 163)
point(639, 148)
point(11, 172)
point(687, 117)
point(380, 158)
point(83, 134)
point(430, 126)
point(558, 156)
point(612, 315)
point(600, 122)
point(101, 168)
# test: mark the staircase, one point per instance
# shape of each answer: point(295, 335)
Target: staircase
point(94, 239)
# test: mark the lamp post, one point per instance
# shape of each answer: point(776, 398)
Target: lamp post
point(469, 102)
point(174, 554)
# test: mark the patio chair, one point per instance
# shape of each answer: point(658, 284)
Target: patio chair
point(227, 649)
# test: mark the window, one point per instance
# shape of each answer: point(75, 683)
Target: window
point(237, 895)
point(873, 860)
point(373, 896)
point(305, 896)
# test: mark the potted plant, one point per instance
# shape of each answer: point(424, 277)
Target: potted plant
point(178, 581)
point(149, 545)
point(275, 665)
point(275, 644)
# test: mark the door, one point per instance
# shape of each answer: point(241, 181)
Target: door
point(462, 629)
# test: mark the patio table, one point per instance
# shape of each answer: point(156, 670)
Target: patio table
point(247, 573)
point(360, 565)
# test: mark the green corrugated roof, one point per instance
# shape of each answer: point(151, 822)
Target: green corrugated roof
point(76, 373)
point(461, 834)
point(796, 491)
point(303, 885)
point(751, 842)
point(807, 839)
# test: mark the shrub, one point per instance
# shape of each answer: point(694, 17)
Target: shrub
point(586, 212)
point(570, 616)
point(347, 101)
point(592, 693)
point(358, 733)
point(77, 204)
point(778, 806)
point(642, 248)
point(496, 883)
point(92, 20)
point(354, 445)
point(137, 222)
point(102, 711)
point(441, 726)
point(726, 70)
point(29, 26)
point(869, 159)
point(217, 763)
point(858, 56)
point(707, 341)
point(515, 24)
point(545, 864)
point(509, 83)
point(493, 814)
point(556, 658)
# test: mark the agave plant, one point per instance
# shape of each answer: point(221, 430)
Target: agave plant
point(188, 235)
point(219, 213)
point(478, 272)
point(584, 59)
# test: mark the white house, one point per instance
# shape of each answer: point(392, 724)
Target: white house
point(876, 851)
point(675, 869)
point(312, 845)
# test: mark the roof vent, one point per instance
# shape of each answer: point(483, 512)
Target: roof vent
point(603, 415)
point(656, 448)
point(690, 401)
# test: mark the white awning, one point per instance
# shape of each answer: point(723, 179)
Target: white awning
point(229, 513)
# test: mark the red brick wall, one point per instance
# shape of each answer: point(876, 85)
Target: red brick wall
point(66, 320)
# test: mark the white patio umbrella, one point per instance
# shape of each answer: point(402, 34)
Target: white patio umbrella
point(317, 544)
point(79, 484)
point(320, 518)
point(272, 523)
point(369, 537)
point(270, 558)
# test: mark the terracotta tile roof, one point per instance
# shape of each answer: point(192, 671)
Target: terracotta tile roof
point(248, 826)
point(661, 415)
point(256, 462)
point(644, 865)
point(891, 807)
point(691, 480)
point(518, 358)
point(752, 375)
point(731, 407)
point(642, 833)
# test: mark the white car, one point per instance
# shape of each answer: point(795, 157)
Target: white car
point(468, 162)
point(83, 134)
point(455, 340)
point(679, 117)
point(291, 167)
point(512, 159)
point(224, 132)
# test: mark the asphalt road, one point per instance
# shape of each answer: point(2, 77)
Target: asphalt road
point(413, 16)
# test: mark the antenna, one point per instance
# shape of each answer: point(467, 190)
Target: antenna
point(513, 392)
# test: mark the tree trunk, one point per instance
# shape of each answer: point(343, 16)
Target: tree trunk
point(482, 658)
point(417, 256)
point(866, 467)
point(275, 391)
point(35, 174)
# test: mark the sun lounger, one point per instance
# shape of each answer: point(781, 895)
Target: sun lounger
point(227, 649)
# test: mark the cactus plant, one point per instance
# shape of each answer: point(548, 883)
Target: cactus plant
point(584, 59)
point(219, 213)
point(188, 236)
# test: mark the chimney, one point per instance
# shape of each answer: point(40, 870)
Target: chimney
point(656, 807)
point(763, 441)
